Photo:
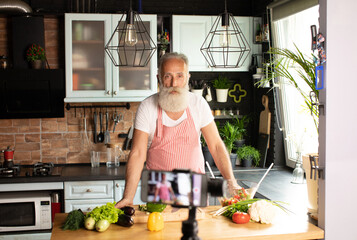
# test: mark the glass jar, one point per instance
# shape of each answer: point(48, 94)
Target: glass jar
point(114, 155)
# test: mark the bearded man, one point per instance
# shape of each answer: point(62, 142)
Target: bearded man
point(168, 126)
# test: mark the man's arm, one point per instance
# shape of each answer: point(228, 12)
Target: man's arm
point(218, 150)
point(134, 167)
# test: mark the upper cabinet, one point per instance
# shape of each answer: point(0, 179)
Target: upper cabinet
point(189, 33)
point(90, 74)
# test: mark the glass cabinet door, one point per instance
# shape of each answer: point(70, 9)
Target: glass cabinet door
point(137, 81)
point(86, 36)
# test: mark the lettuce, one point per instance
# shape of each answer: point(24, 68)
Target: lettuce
point(105, 212)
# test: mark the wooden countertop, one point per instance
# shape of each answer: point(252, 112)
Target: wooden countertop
point(209, 228)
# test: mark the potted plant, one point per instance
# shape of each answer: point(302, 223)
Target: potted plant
point(164, 42)
point(229, 134)
point(221, 84)
point(248, 155)
point(206, 153)
point(241, 125)
point(197, 86)
point(284, 60)
point(35, 54)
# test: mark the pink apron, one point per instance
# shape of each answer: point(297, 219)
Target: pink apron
point(164, 193)
point(175, 147)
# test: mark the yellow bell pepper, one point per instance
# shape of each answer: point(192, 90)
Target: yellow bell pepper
point(155, 222)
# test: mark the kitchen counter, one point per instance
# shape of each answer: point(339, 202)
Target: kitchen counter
point(209, 228)
point(69, 173)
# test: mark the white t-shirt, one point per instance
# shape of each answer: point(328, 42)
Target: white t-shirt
point(146, 115)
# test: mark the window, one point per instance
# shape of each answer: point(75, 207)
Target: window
point(298, 127)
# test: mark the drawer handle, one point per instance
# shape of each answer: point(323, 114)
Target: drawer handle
point(117, 185)
point(89, 190)
point(89, 209)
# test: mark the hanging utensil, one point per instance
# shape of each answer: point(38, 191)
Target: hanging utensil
point(95, 138)
point(106, 134)
point(101, 133)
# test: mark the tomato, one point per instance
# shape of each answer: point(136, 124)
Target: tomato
point(232, 201)
point(240, 217)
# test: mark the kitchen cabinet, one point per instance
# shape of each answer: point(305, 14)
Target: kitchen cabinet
point(119, 191)
point(90, 74)
point(86, 195)
point(189, 33)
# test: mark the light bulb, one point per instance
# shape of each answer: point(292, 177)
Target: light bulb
point(225, 38)
point(130, 35)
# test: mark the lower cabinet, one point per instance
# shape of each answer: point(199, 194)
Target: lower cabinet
point(119, 191)
point(86, 195)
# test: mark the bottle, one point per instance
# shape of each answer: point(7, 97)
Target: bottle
point(258, 34)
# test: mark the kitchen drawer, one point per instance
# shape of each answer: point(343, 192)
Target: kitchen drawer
point(88, 190)
point(119, 192)
point(85, 205)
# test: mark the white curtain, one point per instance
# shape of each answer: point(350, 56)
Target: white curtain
point(298, 127)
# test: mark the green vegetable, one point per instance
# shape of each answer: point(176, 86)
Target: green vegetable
point(102, 225)
point(105, 212)
point(74, 220)
point(155, 207)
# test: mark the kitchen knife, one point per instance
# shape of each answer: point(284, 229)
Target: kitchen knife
point(106, 133)
point(130, 136)
point(95, 127)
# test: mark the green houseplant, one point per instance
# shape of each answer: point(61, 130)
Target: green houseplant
point(285, 60)
point(221, 84)
point(229, 134)
point(248, 154)
point(241, 125)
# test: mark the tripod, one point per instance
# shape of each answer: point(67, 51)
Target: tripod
point(190, 226)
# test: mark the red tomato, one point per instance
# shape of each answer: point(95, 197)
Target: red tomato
point(240, 217)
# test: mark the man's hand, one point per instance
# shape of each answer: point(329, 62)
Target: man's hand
point(124, 202)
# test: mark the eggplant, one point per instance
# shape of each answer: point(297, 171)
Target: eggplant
point(128, 210)
point(125, 220)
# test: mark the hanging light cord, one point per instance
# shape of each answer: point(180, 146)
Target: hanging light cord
point(225, 6)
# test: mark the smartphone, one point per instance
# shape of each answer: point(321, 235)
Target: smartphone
point(179, 188)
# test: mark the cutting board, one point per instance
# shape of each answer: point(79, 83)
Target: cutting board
point(265, 117)
point(180, 215)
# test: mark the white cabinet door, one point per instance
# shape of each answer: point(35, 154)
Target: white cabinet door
point(136, 82)
point(88, 69)
point(91, 76)
point(88, 190)
point(244, 24)
point(85, 205)
point(119, 192)
point(188, 35)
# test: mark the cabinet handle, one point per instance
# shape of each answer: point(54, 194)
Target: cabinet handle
point(117, 185)
point(108, 92)
point(89, 190)
point(115, 92)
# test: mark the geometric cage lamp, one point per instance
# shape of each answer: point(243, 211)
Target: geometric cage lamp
point(130, 43)
point(225, 45)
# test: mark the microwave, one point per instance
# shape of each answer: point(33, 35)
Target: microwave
point(25, 211)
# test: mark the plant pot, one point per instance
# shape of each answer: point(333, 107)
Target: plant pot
point(208, 156)
point(233, 157)
point(239, 143)
point(221, 95)
point(36, 64)
point(246, 162)
point(198, 92)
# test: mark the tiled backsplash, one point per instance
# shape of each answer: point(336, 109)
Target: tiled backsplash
point(60, 140)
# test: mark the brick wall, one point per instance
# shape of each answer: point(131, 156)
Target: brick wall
point(57, 140)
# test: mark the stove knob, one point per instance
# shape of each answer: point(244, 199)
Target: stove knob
point(27, 174)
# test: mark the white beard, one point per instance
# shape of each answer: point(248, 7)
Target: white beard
point(173, 102)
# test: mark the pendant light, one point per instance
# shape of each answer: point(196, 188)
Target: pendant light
point(225, 45)
point(130, 43)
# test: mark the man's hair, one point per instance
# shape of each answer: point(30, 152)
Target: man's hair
point(168, 56)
